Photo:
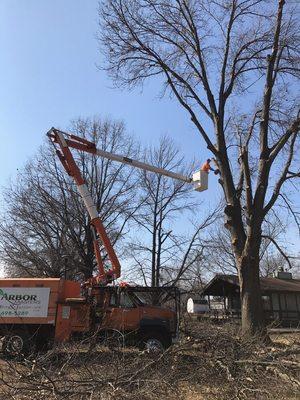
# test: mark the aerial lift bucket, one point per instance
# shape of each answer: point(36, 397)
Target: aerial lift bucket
point(200, 180)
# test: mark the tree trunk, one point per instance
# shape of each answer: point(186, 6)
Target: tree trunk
point(251, 301)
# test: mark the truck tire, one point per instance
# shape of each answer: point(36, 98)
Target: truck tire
point(154, 342)
point(17, 344)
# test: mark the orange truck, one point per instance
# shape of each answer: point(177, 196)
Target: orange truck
point(35, 313)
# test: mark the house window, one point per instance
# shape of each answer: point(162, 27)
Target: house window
point(283, 302)
point(275, 302)
point(266, 303)
point(291, 302)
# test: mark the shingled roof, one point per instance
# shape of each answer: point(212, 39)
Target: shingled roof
point(222, 284)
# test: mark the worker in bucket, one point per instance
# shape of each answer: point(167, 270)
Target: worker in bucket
point(206, 167)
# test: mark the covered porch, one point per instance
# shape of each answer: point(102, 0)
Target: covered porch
point(280, 296)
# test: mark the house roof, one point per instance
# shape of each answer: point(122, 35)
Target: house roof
point(222, 285)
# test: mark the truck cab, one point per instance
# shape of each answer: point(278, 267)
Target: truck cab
point(144, 316)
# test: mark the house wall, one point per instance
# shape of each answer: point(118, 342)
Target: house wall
point(283, 306)
point(234, 303)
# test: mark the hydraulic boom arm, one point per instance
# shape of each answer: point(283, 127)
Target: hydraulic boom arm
point(63, 152)
point(63, 142)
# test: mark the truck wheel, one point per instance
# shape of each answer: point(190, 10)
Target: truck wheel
point(153, 342)
point(16, 344)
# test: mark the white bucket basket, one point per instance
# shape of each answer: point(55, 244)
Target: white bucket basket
point(200, 179)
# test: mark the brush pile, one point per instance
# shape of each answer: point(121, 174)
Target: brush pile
point(210, 362)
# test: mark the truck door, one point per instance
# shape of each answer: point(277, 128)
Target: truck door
point(113, 317)
point(130, 312)
point(121, 314)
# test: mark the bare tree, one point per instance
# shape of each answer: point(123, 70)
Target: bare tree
point(274, 255)
point(45, 229)
point(271, 263)
point(161, 253)
point(223, 60)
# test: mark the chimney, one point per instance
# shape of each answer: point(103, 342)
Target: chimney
point(283, 275)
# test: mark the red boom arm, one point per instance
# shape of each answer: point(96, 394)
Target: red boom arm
point(64, 143)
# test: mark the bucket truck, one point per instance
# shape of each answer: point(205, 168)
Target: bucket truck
point(34, 311)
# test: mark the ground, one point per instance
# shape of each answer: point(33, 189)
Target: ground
point(211, 361)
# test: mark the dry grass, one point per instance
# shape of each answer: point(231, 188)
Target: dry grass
point(210, 362)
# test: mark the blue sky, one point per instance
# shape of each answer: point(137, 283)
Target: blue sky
point(48, 76)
